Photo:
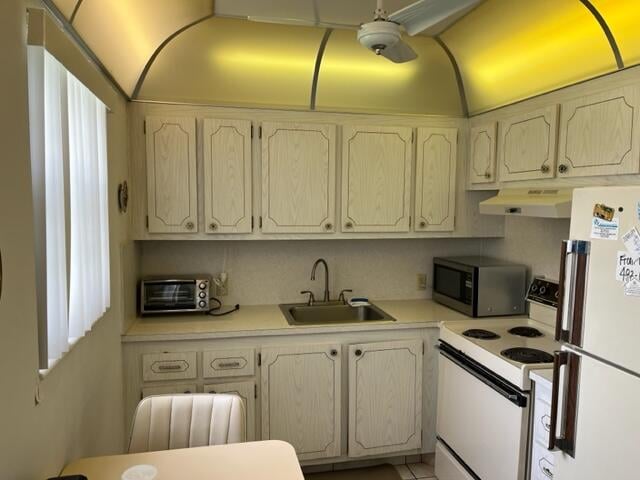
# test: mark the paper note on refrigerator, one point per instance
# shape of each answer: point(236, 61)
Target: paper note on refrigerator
point(631, 240)
point(627, 266)
point(632, 288)
point(604, 229)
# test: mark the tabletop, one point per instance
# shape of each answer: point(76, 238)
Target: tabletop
point(267, 460)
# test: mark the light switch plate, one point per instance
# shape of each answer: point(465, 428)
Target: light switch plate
point(422, 281)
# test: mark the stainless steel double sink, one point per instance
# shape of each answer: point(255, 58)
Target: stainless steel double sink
point(332, 313)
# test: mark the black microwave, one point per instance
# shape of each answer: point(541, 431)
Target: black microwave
point(480, 286)
point(175, 295)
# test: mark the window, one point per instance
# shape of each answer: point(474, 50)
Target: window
point(69, 171)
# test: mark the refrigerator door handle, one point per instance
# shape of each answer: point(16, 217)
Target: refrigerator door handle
point(574, 263)
point(564, 440)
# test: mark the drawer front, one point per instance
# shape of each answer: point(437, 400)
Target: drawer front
point(541, 422)
point(542, 463)
point(169, 389)
point(228, 363)
point(169, 366)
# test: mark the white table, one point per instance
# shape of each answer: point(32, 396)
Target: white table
point(269, 460)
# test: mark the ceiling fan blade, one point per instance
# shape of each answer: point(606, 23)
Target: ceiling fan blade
point(300, 22)
point(431, 16)
point(399, 53)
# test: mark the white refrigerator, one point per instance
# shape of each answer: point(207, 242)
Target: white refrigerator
point(595, 412)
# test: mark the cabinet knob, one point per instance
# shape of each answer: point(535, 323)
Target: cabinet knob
point(334, 352)
point(358, 352)
point(544, 168)
point(562, 168)
point(348, 225)
point(487, 175)
point(213, 226)
point(189, 225)
point(328, 226)
point(423, 224)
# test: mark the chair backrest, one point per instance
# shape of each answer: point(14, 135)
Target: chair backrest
point(166, 422)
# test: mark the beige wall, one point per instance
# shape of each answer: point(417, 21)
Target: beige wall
point(532, 241)
point(80, 409)
point(276, 271)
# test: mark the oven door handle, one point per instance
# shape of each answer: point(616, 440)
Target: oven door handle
point(486, 377)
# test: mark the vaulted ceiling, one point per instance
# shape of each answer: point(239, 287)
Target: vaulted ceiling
point(204, 52)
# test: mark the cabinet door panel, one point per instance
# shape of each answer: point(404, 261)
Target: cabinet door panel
point(482, 159)
point(298, 178)
point(436, 179)
point(385, 397)
point(246, 391)
point(599, 134)
point(527, 149)
point(376, 179)
point(301, 398)
point(227, 175)
point(171, 175)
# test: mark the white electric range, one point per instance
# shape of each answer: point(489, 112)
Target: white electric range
point(484, 389)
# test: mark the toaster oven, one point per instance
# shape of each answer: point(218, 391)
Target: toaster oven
point(175, 295)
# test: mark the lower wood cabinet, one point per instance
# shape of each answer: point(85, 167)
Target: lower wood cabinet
point(385, 397)
point(247, 392)
point(301, 398)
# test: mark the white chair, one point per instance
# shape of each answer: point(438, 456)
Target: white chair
point(166, 422)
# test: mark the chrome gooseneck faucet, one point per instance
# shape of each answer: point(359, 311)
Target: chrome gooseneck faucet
point(326, 276)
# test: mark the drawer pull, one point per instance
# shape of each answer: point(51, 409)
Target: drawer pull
point(169, 367)
point(546, 422)
point(229, 365)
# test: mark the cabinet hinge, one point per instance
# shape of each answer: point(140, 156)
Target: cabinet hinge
point(260, 222)
point(252, 223)
point(423, 348)
point(251, 131)
point(144, 126)
point(260, 131)
point(413, 136)
point(255, 391)
point(259, 359)
point(146, 221)
point(409, 221)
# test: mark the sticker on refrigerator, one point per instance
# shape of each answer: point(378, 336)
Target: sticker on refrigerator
point(601, 211)
point(605, 229)
point(632, 288)
point(631, 240)
point(627, 267)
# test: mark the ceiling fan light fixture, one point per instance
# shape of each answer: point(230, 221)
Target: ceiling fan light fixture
point(379, 35)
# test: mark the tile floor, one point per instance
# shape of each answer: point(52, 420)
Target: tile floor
point(413, 471)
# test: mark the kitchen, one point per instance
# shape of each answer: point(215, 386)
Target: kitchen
point(244, 141)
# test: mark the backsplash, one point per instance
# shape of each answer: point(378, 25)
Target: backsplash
point(276, 271)
point(533, 241)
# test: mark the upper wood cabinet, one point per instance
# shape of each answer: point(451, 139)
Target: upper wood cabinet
point(301, 398)
point(227, 175)
point(298, 178)
point(171, 174)
point(527, 147)
point(385, 397)
point(436, 179)
point(482, 154)
point(376, 179)
point(599, 134)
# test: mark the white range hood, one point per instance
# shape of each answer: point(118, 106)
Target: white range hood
point(530, 202)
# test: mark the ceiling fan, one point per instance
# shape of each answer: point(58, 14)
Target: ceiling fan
point(383, 35)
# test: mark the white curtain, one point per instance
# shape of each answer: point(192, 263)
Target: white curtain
point(89, 292)
point(54, 167)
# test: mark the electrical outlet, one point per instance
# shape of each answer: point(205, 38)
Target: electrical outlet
point(422, 281)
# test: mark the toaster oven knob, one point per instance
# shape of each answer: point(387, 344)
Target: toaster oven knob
point(202, 303)
point(202, 286)
point(202, 294)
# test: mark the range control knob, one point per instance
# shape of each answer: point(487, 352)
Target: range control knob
point(543, 290)
point(202, 303)
point(202, 286)
point(534, 287)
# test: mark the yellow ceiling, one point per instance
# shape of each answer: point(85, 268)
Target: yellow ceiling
point(506, 51)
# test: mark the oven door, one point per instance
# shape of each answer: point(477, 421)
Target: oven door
point(482, 418)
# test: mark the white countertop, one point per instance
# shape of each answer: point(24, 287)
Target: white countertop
point(263, 320)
